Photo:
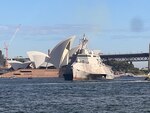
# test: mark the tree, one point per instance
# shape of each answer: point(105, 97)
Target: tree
point(123, 66)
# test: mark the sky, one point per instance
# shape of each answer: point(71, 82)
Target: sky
point(112, 26)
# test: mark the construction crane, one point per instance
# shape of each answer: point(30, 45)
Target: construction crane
point(10, 41)
point(14, 34)
point(6, 54)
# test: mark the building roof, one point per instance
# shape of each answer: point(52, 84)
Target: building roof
point(18, 65)
point(59, 56)
point(38, 58)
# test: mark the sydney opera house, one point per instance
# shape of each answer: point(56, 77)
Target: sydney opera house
point(58, 57)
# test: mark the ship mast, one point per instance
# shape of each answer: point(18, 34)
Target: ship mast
point(84, 42)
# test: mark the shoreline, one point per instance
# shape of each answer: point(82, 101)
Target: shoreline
point(31, 73)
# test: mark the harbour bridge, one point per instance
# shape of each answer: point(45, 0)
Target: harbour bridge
point(134, 57)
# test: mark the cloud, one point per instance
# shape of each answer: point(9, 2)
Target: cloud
point(67, 29)
point(3, 27)
point(44, 30)
point(130, 36)
point(56, 32)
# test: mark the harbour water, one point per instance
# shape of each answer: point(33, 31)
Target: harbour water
point(53, 95)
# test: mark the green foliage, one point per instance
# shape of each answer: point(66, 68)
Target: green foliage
point(123, 66)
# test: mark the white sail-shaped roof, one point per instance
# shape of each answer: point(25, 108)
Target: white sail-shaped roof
point(60, 54)
point(74, 50)
point(38, 58)
point(18, 65)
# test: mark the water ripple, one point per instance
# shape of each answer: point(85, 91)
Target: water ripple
point(59, 96)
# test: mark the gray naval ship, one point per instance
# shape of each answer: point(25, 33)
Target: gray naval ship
point(79, 63)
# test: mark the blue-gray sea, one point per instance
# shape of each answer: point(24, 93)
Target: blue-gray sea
point(54, 95)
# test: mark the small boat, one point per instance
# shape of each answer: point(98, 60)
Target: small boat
point(30, 77)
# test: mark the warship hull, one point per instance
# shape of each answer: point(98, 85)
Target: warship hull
point(82, 75)
point(88, 72)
